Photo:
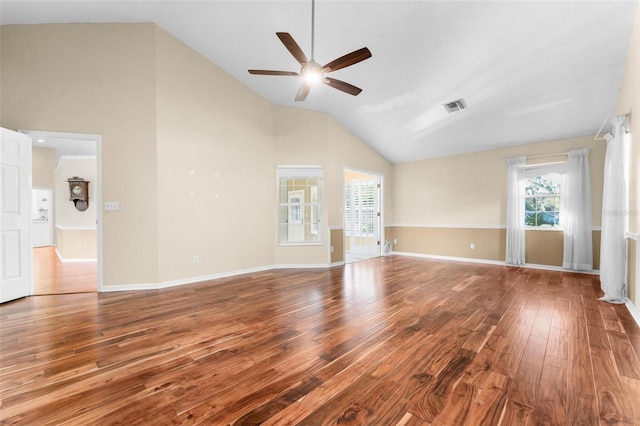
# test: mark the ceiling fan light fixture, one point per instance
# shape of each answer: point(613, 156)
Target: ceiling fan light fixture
point(312, 74)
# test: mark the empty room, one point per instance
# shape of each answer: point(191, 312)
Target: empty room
point(319, 212)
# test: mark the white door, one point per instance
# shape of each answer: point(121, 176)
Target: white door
point(15, 193)
point(365, 217)
point(295, 216)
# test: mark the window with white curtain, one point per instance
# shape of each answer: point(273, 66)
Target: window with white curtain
point(542, 200)
point(299, 205)
point(543, 194)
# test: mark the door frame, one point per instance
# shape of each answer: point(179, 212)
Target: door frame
point(370, 248)
point(51, 207)
point(36, 134)
point(381, 204)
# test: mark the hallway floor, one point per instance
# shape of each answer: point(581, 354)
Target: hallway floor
point(55, 277)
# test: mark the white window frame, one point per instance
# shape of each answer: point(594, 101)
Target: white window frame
point(314, 204)
point(541, 170)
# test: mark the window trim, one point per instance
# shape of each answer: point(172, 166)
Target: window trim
point(534, 170)
point(302, 172)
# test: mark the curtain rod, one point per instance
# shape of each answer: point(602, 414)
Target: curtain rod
point(547, 155)
point(596, 138)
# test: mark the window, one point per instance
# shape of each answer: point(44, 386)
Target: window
point(314, 210)
point(299, 205)
point(542, 200)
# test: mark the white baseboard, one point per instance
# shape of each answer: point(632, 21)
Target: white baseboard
point(210, 277)
point(129, 287)
point(494, 262)
point(633, 310)
point(301, 266)
point(451, 258)
point(184, 281)
point(71, 260)
point(201, 278)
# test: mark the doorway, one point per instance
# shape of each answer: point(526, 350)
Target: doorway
point(362, 215)
point(41, 217)
point(69, 261)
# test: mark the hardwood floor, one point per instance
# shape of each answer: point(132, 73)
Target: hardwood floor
point(386, 341)
point(51, 276)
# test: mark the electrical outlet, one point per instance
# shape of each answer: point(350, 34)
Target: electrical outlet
point(395, 241)
point(331, 249)
point(196, 259)
point(472, 246)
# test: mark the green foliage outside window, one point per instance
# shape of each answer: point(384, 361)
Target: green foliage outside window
point(542, 202)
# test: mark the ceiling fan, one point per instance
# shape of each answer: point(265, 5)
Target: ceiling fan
point(311, 70)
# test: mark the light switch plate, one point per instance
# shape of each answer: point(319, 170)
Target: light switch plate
point(111, 205)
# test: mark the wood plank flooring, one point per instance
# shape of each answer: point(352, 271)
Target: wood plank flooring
point(386, 341)
point(51, 276)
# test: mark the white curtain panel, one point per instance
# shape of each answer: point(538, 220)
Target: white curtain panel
point(614, 213)
point(516, 168)
point(575, 213)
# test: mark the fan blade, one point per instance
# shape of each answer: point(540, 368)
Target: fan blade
point(348, 59)
point(293, 47)
point(303, 91)
point(341, 85)
point(269, 72)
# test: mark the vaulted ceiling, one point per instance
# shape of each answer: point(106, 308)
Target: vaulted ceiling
point(528, 71)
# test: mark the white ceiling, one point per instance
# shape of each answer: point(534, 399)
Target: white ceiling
point(529, 70)
point(64, 144)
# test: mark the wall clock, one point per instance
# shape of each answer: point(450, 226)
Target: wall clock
point(79, 192)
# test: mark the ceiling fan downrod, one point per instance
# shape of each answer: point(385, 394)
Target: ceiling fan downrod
point(313, 20)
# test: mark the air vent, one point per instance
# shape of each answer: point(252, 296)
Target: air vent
point(457, 105)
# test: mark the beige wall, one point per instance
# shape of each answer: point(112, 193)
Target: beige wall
point(454, 201)
point(347, 151)
point(489, 243)
point(471, 189)
point(189, 153)
point(43, 167)
point(629, 103)
point(180, 136)
point(337, 241)
point(99, 79)
point(66, 213)
point(216, 175)
point(301, 140)
point(553, 242)
point(308, 138)
point(454, 242)
point(76, 243)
